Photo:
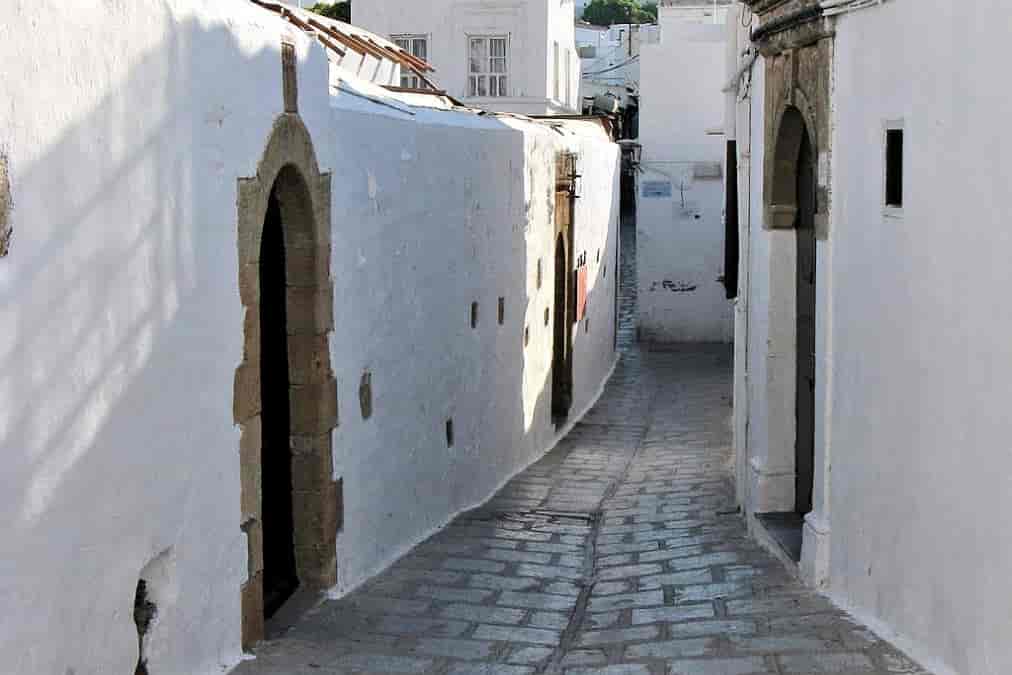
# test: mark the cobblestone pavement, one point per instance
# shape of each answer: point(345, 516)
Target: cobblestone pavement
point(621, 552)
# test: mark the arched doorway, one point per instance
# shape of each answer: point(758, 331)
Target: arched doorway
point(280, 574)
point(561, 361)
point(790, 395)
point(285, 392)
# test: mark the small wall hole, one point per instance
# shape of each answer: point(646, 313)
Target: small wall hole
point(527, 335)
point(474, 315)
point(449, 433)
point(586, 325)
point(604, 273)
point(539, 274)
point(894, 168)
point(365, 395)
point(145, 612)
point(502, 310)
point(547, 315)
point(598, 255)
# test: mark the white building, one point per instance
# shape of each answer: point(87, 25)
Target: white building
point(610, 59)
point(504, 55)
point(159, 412)
point(873, 364)
point(680, 230)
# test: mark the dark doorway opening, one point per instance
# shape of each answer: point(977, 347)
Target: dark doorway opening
point(280, 574)
point(805, 384)
point(731, 246)
point(561, 362)
point(795, 186)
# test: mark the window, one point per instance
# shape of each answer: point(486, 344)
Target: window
point(894, 168)
point(488, 67)
point(416, 45)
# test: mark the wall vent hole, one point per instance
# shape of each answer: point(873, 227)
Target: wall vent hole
point(365, 395)
point(894, 168)
point(449, 433)
point(502, 310)
point(145, 612)
point(474, 315)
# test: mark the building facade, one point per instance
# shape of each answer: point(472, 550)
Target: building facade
point(267, 321)
point(871, 363)
point(680, 231)
point(504, 55)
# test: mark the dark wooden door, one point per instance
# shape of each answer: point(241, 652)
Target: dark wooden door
point(806, 303)
point(561, 357)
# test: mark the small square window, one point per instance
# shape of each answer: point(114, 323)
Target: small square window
point(894, 168)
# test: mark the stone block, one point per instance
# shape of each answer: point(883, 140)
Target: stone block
point(313, 407)
point(310, 310)
point(252, 611)
point(308, 358)
point(254, 545)
point(246, 403)
point(308, 267)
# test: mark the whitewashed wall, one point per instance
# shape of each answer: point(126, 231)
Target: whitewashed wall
point(459, 216)
point(921, 363)
point(121, 323)
point(680, 231)
point(912, 345)
point(532, 25)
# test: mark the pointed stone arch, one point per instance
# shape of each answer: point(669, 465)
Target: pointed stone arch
point(289, 182)
point(794, 123)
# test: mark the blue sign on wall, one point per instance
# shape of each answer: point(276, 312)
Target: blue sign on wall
point(656, 189)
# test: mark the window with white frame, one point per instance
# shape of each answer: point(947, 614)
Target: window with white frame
point(416, 45)
point(488, 66)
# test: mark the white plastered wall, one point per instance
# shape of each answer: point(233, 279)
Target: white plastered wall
point(121, 322)
point(921, 360)
point(462, 215)
point(680, 229)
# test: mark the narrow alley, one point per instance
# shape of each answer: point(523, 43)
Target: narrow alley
point(621, 552)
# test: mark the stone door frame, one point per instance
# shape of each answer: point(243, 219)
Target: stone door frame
point(799, 65)
point(289, 169)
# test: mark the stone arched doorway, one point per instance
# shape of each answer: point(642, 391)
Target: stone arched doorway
point(786, 494)
point(564, 288)
point(561, 357)
point(285, 398)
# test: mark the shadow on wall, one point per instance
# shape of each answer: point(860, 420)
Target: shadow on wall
point(121, 333)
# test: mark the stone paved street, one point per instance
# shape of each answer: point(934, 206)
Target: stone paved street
point(619, 553)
